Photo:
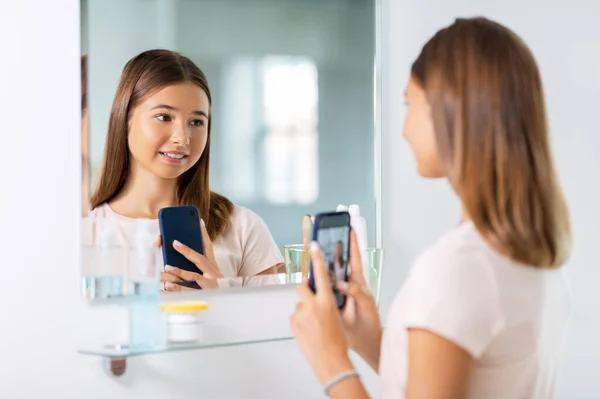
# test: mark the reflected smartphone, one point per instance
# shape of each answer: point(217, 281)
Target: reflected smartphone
point(332, 232)
point(181, 223)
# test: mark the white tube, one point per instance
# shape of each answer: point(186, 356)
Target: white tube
point(359, 224)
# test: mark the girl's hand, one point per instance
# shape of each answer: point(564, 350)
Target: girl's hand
point(317, 324)
point(360, 316)
point(173, 276)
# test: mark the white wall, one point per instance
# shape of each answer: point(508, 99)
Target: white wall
point(565, 38)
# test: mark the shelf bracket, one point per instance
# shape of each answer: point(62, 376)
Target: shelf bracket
point(115, 366)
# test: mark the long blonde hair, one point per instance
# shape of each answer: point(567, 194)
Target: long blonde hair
point(486, 96)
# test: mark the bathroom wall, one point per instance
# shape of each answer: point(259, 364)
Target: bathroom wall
point(42, 319)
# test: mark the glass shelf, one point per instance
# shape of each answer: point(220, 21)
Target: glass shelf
point(124, 351)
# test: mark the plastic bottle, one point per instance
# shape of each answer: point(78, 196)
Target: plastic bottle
point(341, 208)
point(107, 238)
point(107, 281)
point(143, 241)
point(359, 224)
point(144, 309)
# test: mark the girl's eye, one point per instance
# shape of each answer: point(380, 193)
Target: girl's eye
point(163, 118)
point(197, 122)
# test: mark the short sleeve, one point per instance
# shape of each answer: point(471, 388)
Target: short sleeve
point(454, 295)
point(259, 252)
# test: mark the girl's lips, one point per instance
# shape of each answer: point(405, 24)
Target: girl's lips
point(173, 157)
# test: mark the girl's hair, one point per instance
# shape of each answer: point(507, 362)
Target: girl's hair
point(487, 103)
point(83, 83)
point(142, 76)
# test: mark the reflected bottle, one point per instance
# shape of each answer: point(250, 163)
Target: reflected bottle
point(359, 225)
point(143, 289)
point(101, 278)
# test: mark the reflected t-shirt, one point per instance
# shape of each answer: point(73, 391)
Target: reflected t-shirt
point(339, 270)
point(246, 248)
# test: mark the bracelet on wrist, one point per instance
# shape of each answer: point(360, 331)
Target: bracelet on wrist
point(339, 378)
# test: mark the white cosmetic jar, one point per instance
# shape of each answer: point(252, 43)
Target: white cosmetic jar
point(184, 321)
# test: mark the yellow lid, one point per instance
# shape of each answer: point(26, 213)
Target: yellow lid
point(183, 307)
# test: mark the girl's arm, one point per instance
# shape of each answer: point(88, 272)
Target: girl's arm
point(437, 368)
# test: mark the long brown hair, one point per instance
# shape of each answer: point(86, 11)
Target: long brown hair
point(142, 76)
point(485, 93)
point(85, 142)
point(83, 83)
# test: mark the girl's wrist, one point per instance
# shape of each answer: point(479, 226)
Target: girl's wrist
point(333, 366)
point(349, 386)
point(340, 382)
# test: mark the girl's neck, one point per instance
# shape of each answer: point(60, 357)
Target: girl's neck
point(464, 215)
point(144, 194)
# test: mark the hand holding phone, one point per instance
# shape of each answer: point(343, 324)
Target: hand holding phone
point(317, 322)
point(181, 224)
point(332, 232)
point(314, 323)
point(187, 251)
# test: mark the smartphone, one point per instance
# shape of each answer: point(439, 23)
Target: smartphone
point(332, 232)
point(181, 223)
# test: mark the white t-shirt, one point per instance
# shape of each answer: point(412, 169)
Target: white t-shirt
point(246, 248)
point(511, 318)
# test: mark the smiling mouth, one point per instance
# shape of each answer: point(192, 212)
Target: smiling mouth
point(172, 155)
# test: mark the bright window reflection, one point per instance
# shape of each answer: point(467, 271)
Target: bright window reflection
point(290, 107)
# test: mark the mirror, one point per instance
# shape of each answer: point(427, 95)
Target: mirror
point(292, 129)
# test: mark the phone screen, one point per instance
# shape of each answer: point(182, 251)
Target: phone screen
point(333, 235)
point(334, 245)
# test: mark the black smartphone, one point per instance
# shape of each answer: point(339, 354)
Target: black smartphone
point(181, 223)
point(332, 231)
